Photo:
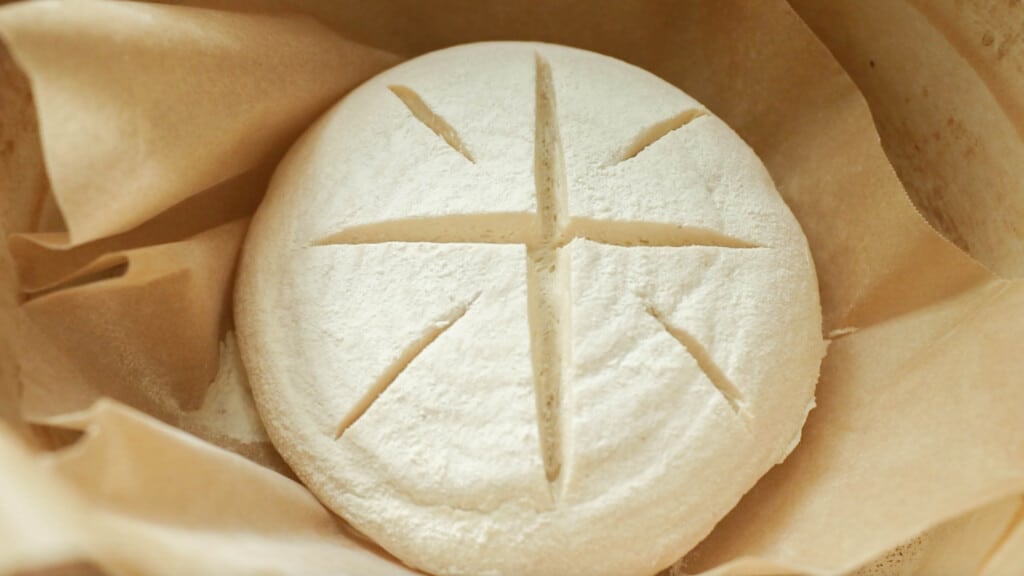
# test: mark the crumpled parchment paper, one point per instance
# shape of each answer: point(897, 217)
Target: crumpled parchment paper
point(135, 139)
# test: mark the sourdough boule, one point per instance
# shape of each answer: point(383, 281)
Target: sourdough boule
point(522, 309)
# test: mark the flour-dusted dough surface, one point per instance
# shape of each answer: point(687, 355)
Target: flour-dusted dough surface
point(492, 369)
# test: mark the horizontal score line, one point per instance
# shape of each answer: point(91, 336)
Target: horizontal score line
point(525, 229)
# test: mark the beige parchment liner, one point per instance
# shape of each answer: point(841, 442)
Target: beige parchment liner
point(945, 82)
point(152, 131)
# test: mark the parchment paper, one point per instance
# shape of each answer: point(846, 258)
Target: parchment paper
point(969, 544)
point(945, 81)
point(158, 126)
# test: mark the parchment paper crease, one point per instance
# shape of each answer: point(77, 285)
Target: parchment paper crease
point(945, 81)
point(139, 138)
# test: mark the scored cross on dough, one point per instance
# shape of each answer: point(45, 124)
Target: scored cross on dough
point(441, 309)
point(547, 274)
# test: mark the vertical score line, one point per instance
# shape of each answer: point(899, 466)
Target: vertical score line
point(547, 277)
point(549, 169)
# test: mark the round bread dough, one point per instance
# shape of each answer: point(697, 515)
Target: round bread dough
point(516, 308)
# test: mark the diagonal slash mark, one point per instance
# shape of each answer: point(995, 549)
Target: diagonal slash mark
point(705, 362)
point(648, 136)
point(401, 363)
point(431, 119)
point(544, 235)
